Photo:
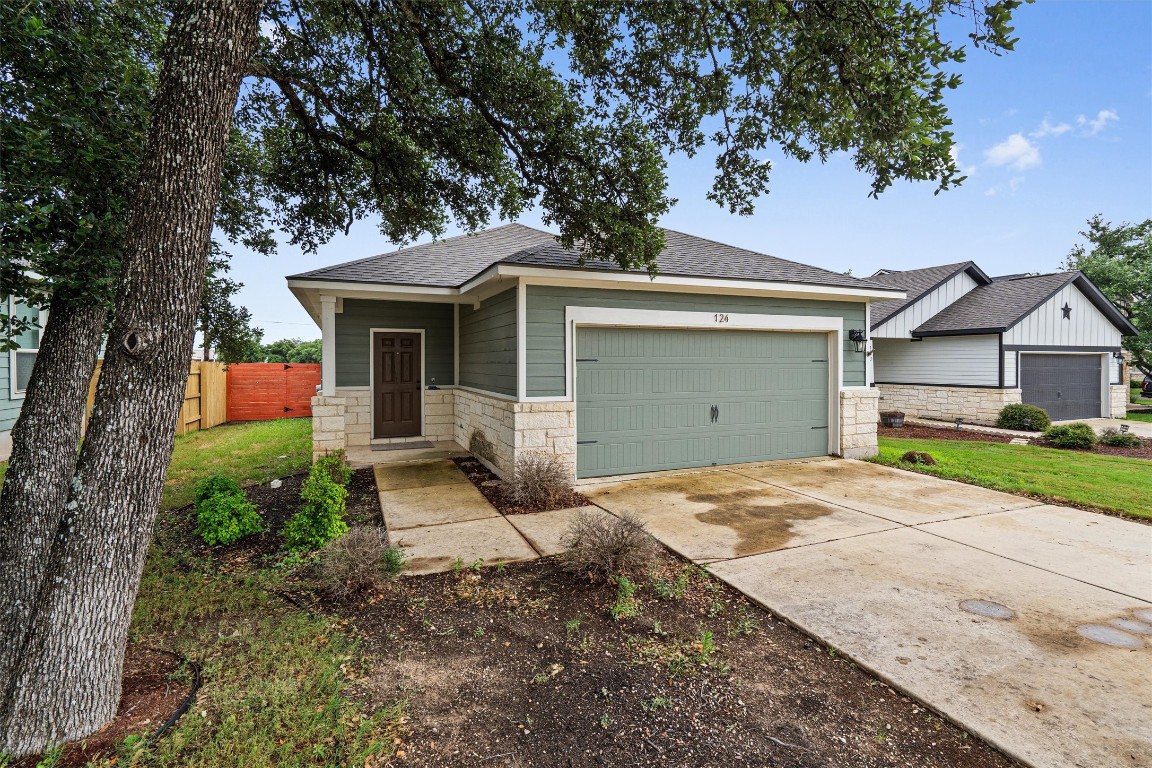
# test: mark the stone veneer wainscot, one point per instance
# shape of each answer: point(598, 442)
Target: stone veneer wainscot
point(977, 405)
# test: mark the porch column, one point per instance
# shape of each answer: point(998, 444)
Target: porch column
point(328, 345)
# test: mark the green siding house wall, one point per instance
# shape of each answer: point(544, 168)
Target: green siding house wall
point(353, 342)
point(545, 323)
point(29, 339)
point(488, 344)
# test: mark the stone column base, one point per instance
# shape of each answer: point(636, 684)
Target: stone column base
point(859, 414)
point(1118, 399)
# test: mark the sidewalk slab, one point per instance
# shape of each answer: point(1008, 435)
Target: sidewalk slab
point(434, 549)
point(892, 494)
point(418, 474)
point(545, 530)
point(417, 507)
point(1107, 552)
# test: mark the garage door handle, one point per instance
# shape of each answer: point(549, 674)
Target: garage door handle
point(587, 359)
point(714, 413)
point(819, 427)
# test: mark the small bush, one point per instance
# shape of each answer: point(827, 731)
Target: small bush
point(599, 544)
point(1118, 439)
point(1013, 416)
point(918, 457)
point(359, 561)
point(1077, 435)
point(226, 517)
point(325, 497)
point(217, 485)
point(540, 480)
point(337, 465)
point(626, 605)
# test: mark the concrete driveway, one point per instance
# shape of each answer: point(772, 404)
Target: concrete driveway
point(1028, 624)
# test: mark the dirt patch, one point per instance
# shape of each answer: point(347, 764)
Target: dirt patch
point(761, 527)
point(155, 685)
point(525, 666)
point(496, 490)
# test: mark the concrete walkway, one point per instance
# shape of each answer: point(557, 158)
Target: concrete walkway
point(1140, 428)
point(435, 513)
point(1028, 624)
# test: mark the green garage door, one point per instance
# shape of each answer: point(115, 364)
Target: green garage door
point(650, 399)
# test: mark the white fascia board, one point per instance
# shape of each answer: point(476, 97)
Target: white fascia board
point(545, 276)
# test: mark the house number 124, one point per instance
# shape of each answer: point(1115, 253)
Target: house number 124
point(721, 318)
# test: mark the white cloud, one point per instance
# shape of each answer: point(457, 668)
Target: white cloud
point(1016, 152)
point(1047, 128)
point(1098, 123)
point(991, 192)
point(965, 170)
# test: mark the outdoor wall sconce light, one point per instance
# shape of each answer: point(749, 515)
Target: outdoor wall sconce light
point(1118, 355)
point(858, 339)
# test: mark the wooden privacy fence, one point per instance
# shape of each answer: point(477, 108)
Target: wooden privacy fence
point(260, 391)
point(205, 396)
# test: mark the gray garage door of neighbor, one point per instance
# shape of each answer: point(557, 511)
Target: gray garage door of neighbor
point(650, 399)
point(1066, 386)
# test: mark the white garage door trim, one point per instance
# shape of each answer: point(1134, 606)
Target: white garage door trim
point(575, 316)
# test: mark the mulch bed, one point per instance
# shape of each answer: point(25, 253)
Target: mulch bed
point(499, 496)
point(154, 687)
point(525, 666)
point(919, 432)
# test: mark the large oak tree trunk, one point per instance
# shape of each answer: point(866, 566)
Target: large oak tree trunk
point(45, 441)
point(66, 683)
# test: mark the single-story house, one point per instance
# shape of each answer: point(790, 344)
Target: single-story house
point(504, 343)
point(16, 367)
point(964, 345)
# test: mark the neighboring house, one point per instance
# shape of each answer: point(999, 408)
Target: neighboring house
point(505, 343)
point(964, 345)
point(16, 370)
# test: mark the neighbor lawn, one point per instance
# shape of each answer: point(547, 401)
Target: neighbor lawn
point(1110, 483)
point(1139, 416)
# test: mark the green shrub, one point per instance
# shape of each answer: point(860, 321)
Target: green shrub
point(1013, 416)
point(322, 517)
point(226, 517)
point(217, 485)
point(1118, 439)
point(1077, 435)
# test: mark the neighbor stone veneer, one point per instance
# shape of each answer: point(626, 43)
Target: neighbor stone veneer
point(976, 405)
point(1119, 394)
point(344, 420)
point(514, 429)
point(859, 412)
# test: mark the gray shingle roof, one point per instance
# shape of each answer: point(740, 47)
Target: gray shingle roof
point(916, 282)
point(451, 263)
point(995, 307)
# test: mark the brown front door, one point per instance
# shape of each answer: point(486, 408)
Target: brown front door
point(397, 390)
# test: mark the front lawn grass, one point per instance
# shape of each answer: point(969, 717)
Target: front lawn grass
point(1111, 483)
point(1139, 416)
point(250, 452)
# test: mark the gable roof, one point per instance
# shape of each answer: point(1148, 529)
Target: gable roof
point(918, 283)
point(455, 261)
point(999, 305)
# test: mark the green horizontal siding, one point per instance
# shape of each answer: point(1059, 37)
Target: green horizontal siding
point(545, 323)
point(29, 339)
point(353, 337)
point(488, 344)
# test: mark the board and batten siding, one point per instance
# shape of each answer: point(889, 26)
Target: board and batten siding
point(900, 325)
point(946, 360)
point(1046, 325)
point(545, 308)
point(353, 337)
point(488, 344)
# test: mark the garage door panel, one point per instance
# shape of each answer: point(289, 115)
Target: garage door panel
point(1066, 386)
point(645, 398)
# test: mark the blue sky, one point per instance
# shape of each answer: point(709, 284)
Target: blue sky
point(1050, 134)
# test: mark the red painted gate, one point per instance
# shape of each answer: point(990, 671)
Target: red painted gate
point(262, 391)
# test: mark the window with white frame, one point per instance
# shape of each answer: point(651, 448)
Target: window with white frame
point(22, 359)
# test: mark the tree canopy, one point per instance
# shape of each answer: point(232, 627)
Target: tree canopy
point(1118, 259)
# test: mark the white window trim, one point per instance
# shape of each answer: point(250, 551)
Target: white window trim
point(13, 392)
point(372, 383)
